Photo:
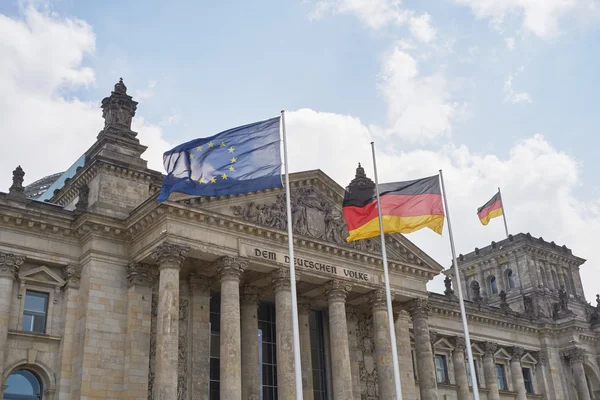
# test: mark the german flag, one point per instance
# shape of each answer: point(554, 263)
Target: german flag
point(405, 207)
point(491, 209)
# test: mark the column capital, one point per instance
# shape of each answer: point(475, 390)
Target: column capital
point(418, 308)
point(141, 274)
point(200, 282)
point(230, 268)
point(433, 336)
point(517, 352)
point(576, 354)
point(281, 279)
point(400, 314)
point(72, 274)
point(377, 300)
point(10, 264)
point(459, 343)
point(250, 294)
point(337, 290)
point(489, 348)
point(304, 304)
point(170, 255)
point(542, 357)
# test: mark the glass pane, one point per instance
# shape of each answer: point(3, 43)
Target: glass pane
point(214, 369)
point(39, 323)
point(23, 383)
point(35, 301)
point(27, 322)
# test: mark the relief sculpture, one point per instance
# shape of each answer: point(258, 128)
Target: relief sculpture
point(367, 364)
point(152, 357)
point(183, 350)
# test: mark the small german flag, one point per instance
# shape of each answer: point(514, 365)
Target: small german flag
point(405, 207)
point(491, 209)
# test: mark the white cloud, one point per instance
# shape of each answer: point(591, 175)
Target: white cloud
point(42, 59)
point(510, 43)
point(421, 28)
point(510, 95)
point(144, 94)
point(419, 107)
point(537, 182)
point(541, 17)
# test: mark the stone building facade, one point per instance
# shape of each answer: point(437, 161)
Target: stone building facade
point(107, 294)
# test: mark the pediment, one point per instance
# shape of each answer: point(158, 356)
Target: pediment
point(476, 350)
point(529, 359)
point(443, 344)
point(42, 276)
point(502, 354)
point(316, 202)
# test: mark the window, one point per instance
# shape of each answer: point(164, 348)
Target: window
point(23, 385)
point(510, 277)
point(501, 376)
point(528, 381)
point(441, 369)
point(268, 351)
point(34, 312)
point(215, 346)
point(317, 348)
point(469, 372)
point(493, 285)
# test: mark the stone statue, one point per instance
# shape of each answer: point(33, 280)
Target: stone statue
point(118, 111)
point(563, 299)
point(528, 306)
point(503, 304)
point(448, 284)
point(17, 189)
point(476, 292)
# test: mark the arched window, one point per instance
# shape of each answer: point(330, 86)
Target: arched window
point(510, 277)
point(23, 385)
point(543, 275)
point(493, 285)
point(555, 280)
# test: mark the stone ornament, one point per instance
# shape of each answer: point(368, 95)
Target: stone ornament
point(459, 343)
point(170, 255)
point(448, 285)
point(337, 290)
point(542, 357)
point(82, 202)
point(281, 279)
point(305, 305)
point(17, 189)
point(10, 264)
point(250, 295)
point(118, 110)
point(433, 337)
point(574, 355)
point(377, 300)
point(230, 267)
point(418, 308)
point(200, 282)
point(141, 274)
point(490, 348)
point(517, 352)
point(72, 274)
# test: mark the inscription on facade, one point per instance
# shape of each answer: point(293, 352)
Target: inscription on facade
point(304, 262)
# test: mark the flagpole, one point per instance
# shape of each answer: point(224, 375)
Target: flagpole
point(503, 212)
point(295, 329)
point(463, 313)
point(387, 286)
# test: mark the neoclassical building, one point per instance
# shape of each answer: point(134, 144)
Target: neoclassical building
point(107, 294)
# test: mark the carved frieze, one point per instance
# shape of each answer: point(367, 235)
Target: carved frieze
point(367, 364)
point(72, 274)
point(10, 264)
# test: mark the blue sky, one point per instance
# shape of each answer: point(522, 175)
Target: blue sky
point(498, 93)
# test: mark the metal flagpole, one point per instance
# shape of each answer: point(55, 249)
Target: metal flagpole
point(503, 212)
point(387, 286)
point(296, 336)
point(463, 314)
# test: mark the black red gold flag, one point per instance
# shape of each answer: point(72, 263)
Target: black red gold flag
point(405, 207)
point(491, 209)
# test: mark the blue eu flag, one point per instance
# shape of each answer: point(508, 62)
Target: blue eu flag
point(239, 160)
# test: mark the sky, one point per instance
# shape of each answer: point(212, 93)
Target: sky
point(496, 93)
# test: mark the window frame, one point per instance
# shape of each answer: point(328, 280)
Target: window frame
point(510, 277)
point(34, 314)
point(502, 386)
point(444, 360)
point(493, 286)
point(16, 396)
point(525, 381)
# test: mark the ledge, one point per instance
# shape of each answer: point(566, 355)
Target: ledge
point(36, 336)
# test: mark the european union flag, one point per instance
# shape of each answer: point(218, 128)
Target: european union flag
point(239, 160)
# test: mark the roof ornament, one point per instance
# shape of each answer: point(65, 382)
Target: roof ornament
point(361, 179)
point(17, 189)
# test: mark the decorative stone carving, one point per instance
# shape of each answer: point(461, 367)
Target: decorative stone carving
point(528, 306)
point(418, 308)
point(250, 294)
point(489, 348)
point(377, 300)
point(542, 357)
point(337, 290)
point(575, 354)
point(169, 255)
point(82, 202)
point(305, 305)
point(280, 279)
point(476, 289)
point(72, 274)
point(503, 304)
point(17, 189)
point(10, 264)
point(448, 284)
point(182, 370)
point(152, 357)
point(141, 274)
point(433, 337)
point(200, 282)
point(230, 267)
point(517, 352)
point(118, 110)
point(459, 343)
point(367, 361)
point(563, 299)
point(595, 314)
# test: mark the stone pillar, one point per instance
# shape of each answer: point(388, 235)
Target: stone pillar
point(352, 324)
point(517, 373)
point(338, 333)
point(9, 267)
point(542, 375)
point(169, 258)
point(140, 278)
point(229, 270)
point(576, 357)
point(383, 345)
point(69, 343)
point(460, 368)
point(489, 370)
point(200, 364)
point(250, 351)
point(304, 307)
point(286, 388)
point(418, 310)
point(407, 374)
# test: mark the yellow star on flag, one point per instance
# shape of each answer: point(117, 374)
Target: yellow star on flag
point(222, 144)
point(213, 180)
point(231, 149)
point(231, 168)
point(224, 176)
point(191, 156)
point(233, 159)
point(201, 180)
point(210, 144)
point(199, 148)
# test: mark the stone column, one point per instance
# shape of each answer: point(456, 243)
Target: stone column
point(489, 370)
point(304, 307)
point(383, 345)
point(407, 374)
point(352, 324)
point(286, 388)
point(576, 357)
point(460, 368)
point(338, 333)
point(200, 366)
point(169, 258)
point(419, 310)
point(250, 351)
point(140, 278)
point(229, 270)
point(542, 375)
point(517, 373)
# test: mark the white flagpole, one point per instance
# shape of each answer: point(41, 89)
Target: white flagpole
point(503, 212)
point(388, 295)
point(463, 313)
point(296, 336)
